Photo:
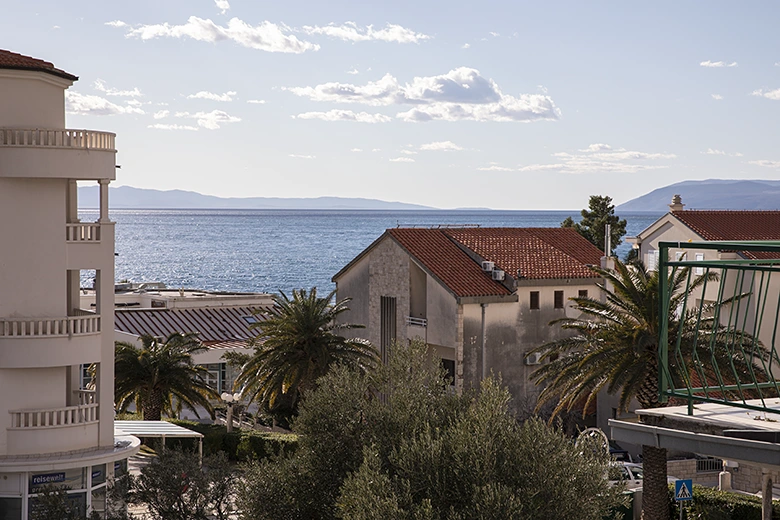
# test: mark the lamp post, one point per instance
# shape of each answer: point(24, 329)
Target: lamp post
point(230, 400)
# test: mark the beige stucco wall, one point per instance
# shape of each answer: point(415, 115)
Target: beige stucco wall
point(32, 99)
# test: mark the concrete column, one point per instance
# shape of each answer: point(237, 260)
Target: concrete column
point(103, 200)
point(766, 495)
point(71, 202)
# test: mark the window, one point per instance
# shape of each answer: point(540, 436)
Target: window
point(449, 366)
point(558, 300)
point(216, 376)
point(582, 293)
point(652, 260)
point(250, 319)
point(534, 300)
point(699, 258)
point(387, 321)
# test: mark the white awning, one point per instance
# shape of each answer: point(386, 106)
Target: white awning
point(162, 429)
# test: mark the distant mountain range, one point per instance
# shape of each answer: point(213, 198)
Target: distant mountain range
point(710, 194)
point(126, 197)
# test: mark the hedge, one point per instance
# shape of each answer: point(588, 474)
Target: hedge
point(239, 445)
point(709, 503)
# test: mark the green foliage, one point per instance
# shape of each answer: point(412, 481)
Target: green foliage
point(397, 443)
point(298, 341)
point(161, 376)
point(600, 212)
point(239, 445)
point(711, 504)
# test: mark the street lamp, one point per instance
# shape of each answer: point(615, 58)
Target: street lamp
point(230, 400)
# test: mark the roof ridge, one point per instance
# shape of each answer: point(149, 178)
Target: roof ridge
point(14, 60)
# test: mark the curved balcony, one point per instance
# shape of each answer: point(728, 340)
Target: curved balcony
point(49, 342)
point(57, 153)
point(53, 430)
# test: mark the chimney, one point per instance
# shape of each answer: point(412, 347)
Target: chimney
point(676, 204)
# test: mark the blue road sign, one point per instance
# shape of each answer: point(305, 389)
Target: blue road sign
point(683, 490)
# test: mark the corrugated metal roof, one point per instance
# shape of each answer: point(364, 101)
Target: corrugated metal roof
point(214, 325)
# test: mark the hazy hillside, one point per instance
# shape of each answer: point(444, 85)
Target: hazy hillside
point(129, 197)
point(710, 194)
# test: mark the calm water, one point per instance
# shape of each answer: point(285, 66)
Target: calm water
point(272, 250)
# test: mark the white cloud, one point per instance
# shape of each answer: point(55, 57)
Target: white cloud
point(465, 46)
point(256, 101)
point(56, 27)
point(162, 114)
point(266, 36)
point(353, 71)
point(409, 152)
point(766, 164)
point(495, 168)
point(227, 96)
point(345, 115)
point(777, 64)
point(461, 94)
point(86, 105)
point(100, 85)
point(494, 34)
point(116, 23)
point(710, 151)
point(224, 5)
point(210, 120)
point(717, 64)
point(376, 149)
point(402, 159)
point(440, 146)
point(356, 150)
point(350, 31)
point(597, 159)
point(769, 94)
point(161, 126)
point(302, 156)
point(716, 97)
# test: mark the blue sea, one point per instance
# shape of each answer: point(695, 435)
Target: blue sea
point(280, 250)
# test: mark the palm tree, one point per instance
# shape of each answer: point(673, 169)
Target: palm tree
point(158, 372)
point(615, 347)
point(298, 341)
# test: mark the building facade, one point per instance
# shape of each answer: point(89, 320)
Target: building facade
point(52, 432)
point(482, 298)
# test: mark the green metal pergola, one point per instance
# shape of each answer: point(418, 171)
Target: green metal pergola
point(716, 355)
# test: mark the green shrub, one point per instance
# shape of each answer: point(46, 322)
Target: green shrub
point(711, 504)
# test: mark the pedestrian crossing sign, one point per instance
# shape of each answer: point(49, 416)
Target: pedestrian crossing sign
point(683, 490)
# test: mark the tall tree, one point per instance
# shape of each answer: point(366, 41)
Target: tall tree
point(600, 212)
point(158, 372)
point(615, 348)
point(298, 341)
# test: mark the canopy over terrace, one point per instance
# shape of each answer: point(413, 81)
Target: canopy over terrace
point(158, 429)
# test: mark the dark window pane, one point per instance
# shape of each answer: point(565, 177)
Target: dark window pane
point(534, 299)
point(559, 299)
point(583, 293)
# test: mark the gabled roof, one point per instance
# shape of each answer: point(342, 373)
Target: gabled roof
point(734, 225)
point(452, 255)
point(214, 325)
point(12, 60)
point(537, 253)
point(442, 257)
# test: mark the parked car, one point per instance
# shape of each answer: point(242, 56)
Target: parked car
point(632, 475)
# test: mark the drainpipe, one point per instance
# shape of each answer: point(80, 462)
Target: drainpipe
point(484, 364)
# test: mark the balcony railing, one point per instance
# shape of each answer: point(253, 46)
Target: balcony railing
point(50, 327)
point(61, 138)
point(709, 465)
point(86, 396)
point(89, 232)
point(54, 417)
point(416, 322)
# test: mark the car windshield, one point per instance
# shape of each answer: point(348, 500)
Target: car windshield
point(638, 473)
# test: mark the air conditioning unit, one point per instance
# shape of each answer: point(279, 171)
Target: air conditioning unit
point(498, 275)
point(533, 359)
point(488, 265)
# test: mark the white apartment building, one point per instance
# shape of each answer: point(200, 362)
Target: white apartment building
point(51, 431)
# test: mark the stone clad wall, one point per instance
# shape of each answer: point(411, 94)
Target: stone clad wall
point(686, 469)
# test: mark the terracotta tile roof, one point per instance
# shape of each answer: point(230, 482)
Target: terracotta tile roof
point(539, 253)
point(734, 225)
point(12, 60)
point(448, 262)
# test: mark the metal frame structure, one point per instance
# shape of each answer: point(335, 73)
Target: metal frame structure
point(740, 313)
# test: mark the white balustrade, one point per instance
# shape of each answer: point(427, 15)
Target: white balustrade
point(50, 327)
point(54, 417)
point(416, 322)
point(86, 396)
point(82, 232)
point(60, 138)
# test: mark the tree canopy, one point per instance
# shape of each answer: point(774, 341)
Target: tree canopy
point(592, 226)
point(158, 372)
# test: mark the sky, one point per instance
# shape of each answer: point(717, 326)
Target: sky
point(505, 104)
